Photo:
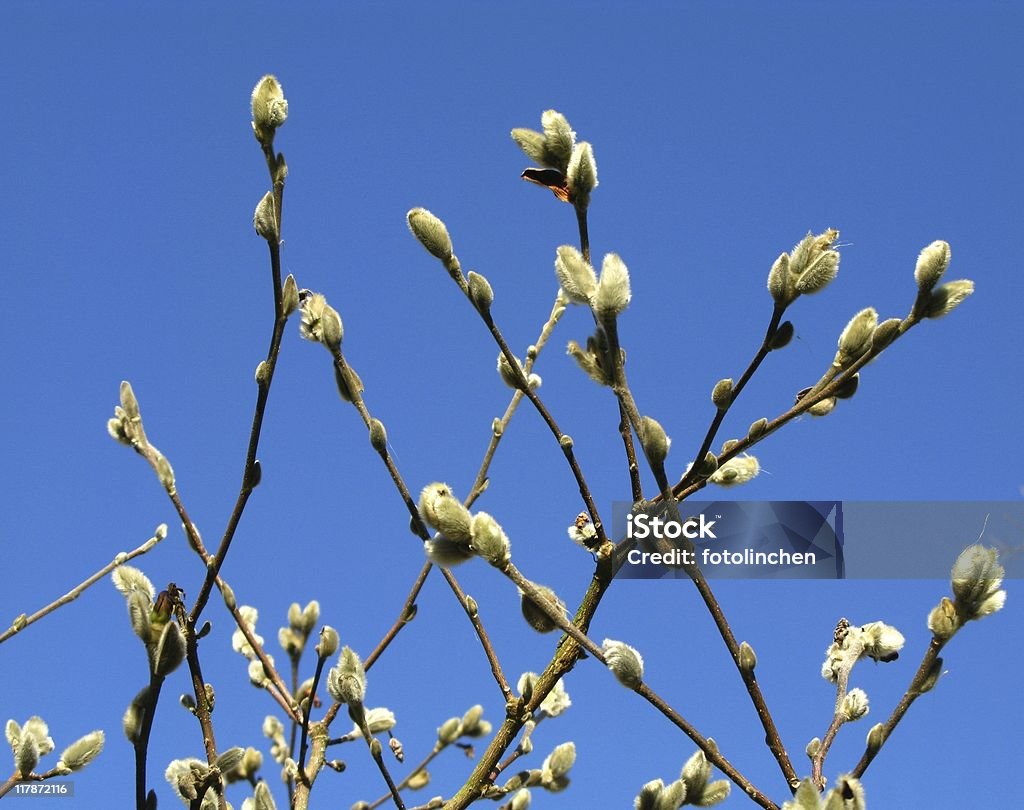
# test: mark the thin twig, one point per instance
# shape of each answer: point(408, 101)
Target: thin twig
point(581, 223)
point(437, 749)
point(530, 591)
point(204, 707)
point(710, 750)
point(23, 621)
point(418, 525)
point(485, 641)
point(249, 470)
point(635, 486)
point(403, 617)
point(549, 420)
point(624, 394)
point(684, 489)
point(280, 692)
point(480, 483)
point(141, 742)
point(320, 661)
point(358, 714)
point(771, 733)
point(924, 672)
point(566, 654)
point(740, 384)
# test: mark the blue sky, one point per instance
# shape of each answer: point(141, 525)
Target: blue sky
point(722, 135)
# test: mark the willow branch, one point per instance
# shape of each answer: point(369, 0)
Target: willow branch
point(23, 621)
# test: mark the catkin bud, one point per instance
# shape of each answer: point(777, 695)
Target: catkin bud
point(531, 142)
point(82, 752)
point(625, 662)
point(721, 394)
point(737, 470)
point(131, 721)
point(823, 407)
point(613, 292)
point(848, 387)
point(262, 373)
point(264, 219)
point(943, 620)
point(882, 642)
point(779, 284)
point(170, 651)
point(876, 737)
point(480, 291)
point(346, 682)
point(885, 333)
point(558, 140)
point(559, 762)
point(328, 642)
point(948, 297)
point(429, 497)
point(447, 553)
point(536, 616)
point(783, 335)
point(854, 705)
point(582, 173)
point(757, 428)
point(333, 331)
point(378, 436)
point(856, 337)
point(441, 510)
point(819, 274)
point(449, 731)
point(489, 540)
point(164, 471)
point(708, 466)
point(26, 755)
point(431, 233)
point(747, 658)
point(931, 264)
point(269, 109)
point(654, 439)
point(508, 374)
point(348, 382)
point(977, 579)
point(289, 295)
point(575, 275)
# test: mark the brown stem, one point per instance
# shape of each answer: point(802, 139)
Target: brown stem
point(24, 621)
point(740, 384)
point(305, 719)
point(485, 641)
point(913, 692)
point(684, 489)
point(635, 486)
point(710, 750)
point(249, 470)
point(403, 617)
point(480, 483)
point(141, 742)
point(358, 714)
point(771, 733)
point(549, 420)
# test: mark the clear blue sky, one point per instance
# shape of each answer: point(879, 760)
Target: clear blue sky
point(722, 132)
